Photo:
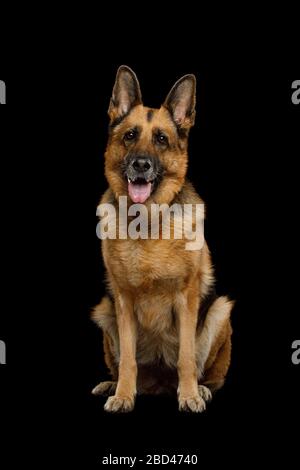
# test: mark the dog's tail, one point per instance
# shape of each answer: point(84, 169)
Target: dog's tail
point(214, 343)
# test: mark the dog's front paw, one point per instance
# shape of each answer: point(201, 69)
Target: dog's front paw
point(205, 393)
point(117, 404)
point(195, 403)
point(105, 388)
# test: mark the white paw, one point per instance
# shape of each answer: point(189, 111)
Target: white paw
point(204, 392)
point(119, 404)
point(195, 403)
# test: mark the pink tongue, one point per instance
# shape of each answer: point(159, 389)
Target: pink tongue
point(139, 192)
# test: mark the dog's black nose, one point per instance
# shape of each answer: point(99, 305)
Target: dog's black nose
point(141, 164)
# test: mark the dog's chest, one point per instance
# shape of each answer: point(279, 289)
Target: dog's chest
point(144, 262)
point(157, 334)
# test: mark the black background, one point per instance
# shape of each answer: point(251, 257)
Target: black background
point(243, 162)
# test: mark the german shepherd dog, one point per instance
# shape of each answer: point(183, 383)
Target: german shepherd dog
point(164, 328)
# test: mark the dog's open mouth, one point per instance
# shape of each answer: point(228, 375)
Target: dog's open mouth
point(139, 190)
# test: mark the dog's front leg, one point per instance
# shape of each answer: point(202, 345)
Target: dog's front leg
point(123, 400)
point(187, 305)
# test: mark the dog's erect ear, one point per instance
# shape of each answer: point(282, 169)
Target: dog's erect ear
point(126, 93)
point(181, 101)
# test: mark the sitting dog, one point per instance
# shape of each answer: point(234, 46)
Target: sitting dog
point(163, 326)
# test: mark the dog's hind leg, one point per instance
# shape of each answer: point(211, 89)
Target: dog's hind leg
point(214, 347)
point(106, 389)
point(215, 374)
point(204, 393)
point(104, 316)
point(109, 357)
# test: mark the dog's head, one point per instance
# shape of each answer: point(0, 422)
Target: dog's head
point(146, 155)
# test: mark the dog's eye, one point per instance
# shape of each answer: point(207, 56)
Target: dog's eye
point(161, 138)
point(130, 135)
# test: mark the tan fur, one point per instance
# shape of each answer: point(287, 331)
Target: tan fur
point(175, 167)
point(154, 340)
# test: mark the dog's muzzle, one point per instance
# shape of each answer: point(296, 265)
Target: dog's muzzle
point(141, 172)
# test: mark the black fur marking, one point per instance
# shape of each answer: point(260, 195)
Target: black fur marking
point(149, 115)
point(205, 305)
point(110, 295)
point(182, 133)
point(117, 121)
